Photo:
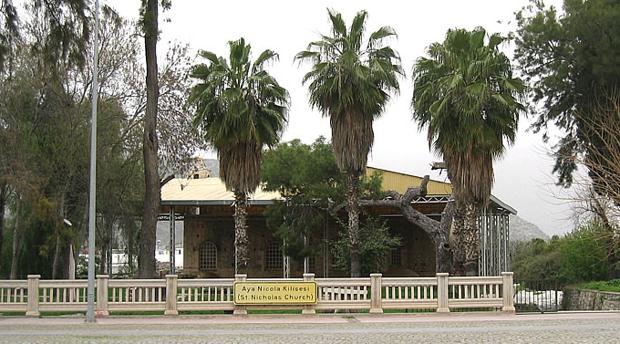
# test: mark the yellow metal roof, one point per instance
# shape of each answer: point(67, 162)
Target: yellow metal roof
point(399, 182)
point(212, 191)
point(206, 189)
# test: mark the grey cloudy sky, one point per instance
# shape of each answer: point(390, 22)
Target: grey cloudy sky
point(523, 177)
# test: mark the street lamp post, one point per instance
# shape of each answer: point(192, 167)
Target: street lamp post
point(90, 310)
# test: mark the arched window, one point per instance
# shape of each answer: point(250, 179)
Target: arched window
point(207, 256)
point(273, 256)
point(397, 256)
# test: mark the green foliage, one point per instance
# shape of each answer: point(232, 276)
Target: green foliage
point(376, 246)
point(308, 178)
point(295, 169)
point(67, 29)
point(584, 254)
point(575, 257)
point(613, 285)
point(45, 120)
point(466, 95)
point(571, 61)
point(239, 109)
point(313, 186)
point(350, 82)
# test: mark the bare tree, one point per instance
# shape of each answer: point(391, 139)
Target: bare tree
point(601, 140)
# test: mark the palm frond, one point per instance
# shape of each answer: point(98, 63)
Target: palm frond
point(351, 85)
point(338, 25)
point(239, 109)
point(466, 98)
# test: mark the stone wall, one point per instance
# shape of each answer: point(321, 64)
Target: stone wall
point(417, 254)
point(417, 250)
point(582, 299)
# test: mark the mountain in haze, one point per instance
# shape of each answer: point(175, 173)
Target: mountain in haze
point(521, 230)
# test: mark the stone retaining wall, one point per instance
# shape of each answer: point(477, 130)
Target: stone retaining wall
point(583, 299)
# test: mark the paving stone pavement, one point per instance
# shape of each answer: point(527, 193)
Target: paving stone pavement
point(358, 329)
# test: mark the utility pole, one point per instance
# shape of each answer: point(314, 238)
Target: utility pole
point(90, 310)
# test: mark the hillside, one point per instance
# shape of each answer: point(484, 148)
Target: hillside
point(521, 230)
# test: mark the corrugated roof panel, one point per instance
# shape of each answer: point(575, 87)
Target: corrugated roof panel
point(399, 182)
point(213, 191)
point(206, 189)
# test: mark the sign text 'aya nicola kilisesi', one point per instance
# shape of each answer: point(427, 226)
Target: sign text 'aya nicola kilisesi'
point(275, 293)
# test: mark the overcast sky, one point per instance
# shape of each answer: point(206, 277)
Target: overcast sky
point(522, 178)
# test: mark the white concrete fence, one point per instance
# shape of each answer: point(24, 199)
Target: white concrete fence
point(172, 295)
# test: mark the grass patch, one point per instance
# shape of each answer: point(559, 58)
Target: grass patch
point(139, 313)
point(613, 285)
point(203, 312)
point(404, 311)
point(60, 314)
point(274, 311)
point(12, 314)
point(478, 309)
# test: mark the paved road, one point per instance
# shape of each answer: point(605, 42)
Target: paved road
point(360, 329)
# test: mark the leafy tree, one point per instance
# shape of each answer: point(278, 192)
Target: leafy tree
point(572, 62)
point(313, 188)
point(66, 34)
point(467, 98)
point(44, 116)
point(240, 109)
point(310, 182)
point(575, 257)
point(584, 254)
point(376, 245)
point(351, 83)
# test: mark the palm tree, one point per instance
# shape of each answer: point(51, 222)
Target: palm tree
point(351, 83)
point(467, 97)
point(240, 109)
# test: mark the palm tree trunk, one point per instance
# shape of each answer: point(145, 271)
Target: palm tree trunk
point(456, 240)
point(471, 239)
point(354, 233)
point(241, 233)
point(146, 258)
point(15, 253)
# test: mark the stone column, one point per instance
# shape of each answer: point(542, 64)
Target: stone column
point(309, 309)
point(507, 292)
point(442, 293)
point(32, 309)
point(101, 309)
point(376, 306)
point(240, 310)
point(171, 295)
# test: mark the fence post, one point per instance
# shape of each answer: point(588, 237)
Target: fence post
point(32, 309)
point(240, 310)
point(171, 295)
point(376, 306)
point(309, 309)
point(507, 292)
point(442, 293)
point(101, 309)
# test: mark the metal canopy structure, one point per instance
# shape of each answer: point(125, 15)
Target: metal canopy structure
point(198, 197)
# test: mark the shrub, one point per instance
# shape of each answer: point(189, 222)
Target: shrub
point(576, 257)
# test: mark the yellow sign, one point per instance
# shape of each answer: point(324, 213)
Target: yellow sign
point(275, 293)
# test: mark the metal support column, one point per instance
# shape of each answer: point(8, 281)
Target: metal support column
point(92, 198)
point(172, 242)
point(306, 258)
